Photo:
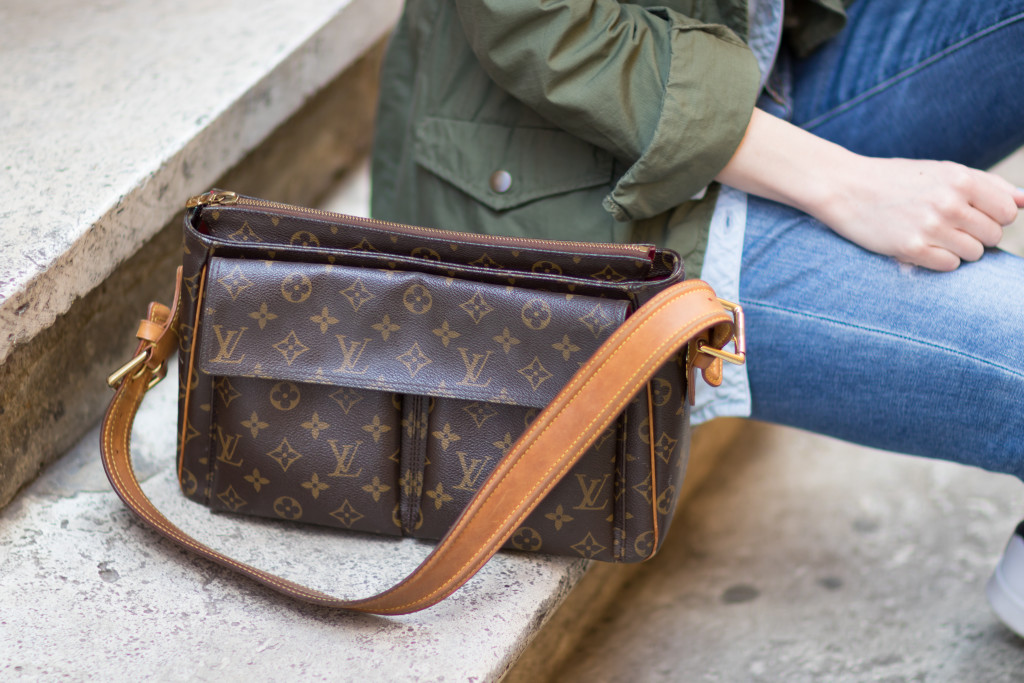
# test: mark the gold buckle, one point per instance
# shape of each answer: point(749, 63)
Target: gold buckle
point(137, 363)
point(739, 337)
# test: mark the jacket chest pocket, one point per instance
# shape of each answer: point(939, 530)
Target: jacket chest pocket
point(534, 182)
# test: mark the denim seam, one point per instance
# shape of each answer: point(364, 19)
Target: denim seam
point(1011, 371)
point(903, 75)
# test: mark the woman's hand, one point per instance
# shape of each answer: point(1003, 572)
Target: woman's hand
point(933, 214)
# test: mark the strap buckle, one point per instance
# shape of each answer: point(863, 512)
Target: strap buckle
point(739, 337)
point(137, 366)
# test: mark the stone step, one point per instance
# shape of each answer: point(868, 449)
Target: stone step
point(111, 119)
point(87, 592)
point(816, 560)
point(142, 608)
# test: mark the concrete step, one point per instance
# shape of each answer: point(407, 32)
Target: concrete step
point(815, 560)
point(112, 117)
point(138, 603)
point(87, 592)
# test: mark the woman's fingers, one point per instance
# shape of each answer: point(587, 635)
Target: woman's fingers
point(931, 257)
point(988, 193)
point(965, 224)
point(1018, 197)
point(963, 212)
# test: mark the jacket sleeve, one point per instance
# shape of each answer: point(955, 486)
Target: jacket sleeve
point(666, 94)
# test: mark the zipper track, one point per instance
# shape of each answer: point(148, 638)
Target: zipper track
point(641, 251)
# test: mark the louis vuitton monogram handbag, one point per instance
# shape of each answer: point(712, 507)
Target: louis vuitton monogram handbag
point(486, 391)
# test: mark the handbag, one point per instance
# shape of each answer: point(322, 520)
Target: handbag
point(485, 391)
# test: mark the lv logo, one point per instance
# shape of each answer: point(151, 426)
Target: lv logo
point(591, 487)
point(351, 352)
point(345, 456)
point(227, 342)
point(227, 444)
point(472, 469)
point(474, 367)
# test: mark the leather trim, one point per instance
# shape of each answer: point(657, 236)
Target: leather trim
point(191, 369)
point(654, 468)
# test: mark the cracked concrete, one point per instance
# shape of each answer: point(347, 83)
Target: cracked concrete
point(52, 388)
point(87, 593)
point(815, 560)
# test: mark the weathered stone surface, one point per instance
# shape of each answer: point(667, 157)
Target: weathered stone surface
point(53, 389)
point(557, 642)
point(112, 115)
point(87, 593)
point(807, 559)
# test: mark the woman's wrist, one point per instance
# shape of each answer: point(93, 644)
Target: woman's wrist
point(782, 162)
point(830, 187)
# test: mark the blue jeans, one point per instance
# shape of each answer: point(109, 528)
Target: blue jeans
point(849, 343)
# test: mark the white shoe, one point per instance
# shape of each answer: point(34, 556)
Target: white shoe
point(1005, 590)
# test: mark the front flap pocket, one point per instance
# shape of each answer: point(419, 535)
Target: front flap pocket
point(504, 167)
point(398, 332)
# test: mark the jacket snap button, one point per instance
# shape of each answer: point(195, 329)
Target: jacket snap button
point(501, 181)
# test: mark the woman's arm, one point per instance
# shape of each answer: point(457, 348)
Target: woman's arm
point(933, 214)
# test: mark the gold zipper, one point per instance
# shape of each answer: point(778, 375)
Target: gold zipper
point(228, 198)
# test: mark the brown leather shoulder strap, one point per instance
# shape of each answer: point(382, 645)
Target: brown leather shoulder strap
point(556, 439)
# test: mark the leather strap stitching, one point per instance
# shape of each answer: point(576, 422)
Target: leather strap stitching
point(119, 426)
point(484, 547)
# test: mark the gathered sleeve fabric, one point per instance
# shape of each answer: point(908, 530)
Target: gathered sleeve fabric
point(667, 95)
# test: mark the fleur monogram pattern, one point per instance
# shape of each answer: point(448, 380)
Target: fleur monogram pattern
point(324, 320)
point(385, 327)
point(263, 315)
point(357, 294)
point(315, 425)
point(477, 307)
point(506, 340)
point(315, 486)
point(446, 333)
point(254, 425)
point(235, 283)
point(328, 390)
point(566, 347)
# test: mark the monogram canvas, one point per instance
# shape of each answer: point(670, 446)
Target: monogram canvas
point(349, 373)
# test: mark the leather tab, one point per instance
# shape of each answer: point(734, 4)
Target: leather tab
point(159, 331)
point(149, 331)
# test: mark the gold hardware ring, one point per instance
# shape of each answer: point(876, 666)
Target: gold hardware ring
point(739, 337)
point(137, 363)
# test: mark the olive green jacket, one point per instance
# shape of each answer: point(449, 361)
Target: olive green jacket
point(580, 120)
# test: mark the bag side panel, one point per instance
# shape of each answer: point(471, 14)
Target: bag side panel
point(671, 416)
point(195, 395)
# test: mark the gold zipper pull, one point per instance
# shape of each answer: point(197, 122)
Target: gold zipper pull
point(212, 198)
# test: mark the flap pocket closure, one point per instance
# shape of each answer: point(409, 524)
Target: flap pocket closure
point(504, 167)
point(394, 331)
